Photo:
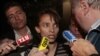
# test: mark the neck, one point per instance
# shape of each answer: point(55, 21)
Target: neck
point(52, 49)
point(52, 46)
point(93, 16)
point(22, 31)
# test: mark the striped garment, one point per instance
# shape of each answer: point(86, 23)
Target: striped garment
point(63, 50)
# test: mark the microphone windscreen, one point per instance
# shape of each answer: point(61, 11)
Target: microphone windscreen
point(23, 40)
point(69, 36)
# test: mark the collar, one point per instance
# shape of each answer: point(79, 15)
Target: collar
point(95, 25)
point(17, 35)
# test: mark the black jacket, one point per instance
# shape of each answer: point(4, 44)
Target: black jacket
point(94, 37)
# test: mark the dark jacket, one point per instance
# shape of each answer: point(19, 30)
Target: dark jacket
point(94, 37)
point(17, 52)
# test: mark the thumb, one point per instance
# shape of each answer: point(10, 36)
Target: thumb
point(45, 51)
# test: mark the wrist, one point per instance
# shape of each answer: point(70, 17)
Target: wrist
point(94, 55)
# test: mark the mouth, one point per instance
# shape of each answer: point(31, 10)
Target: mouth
point(78, 35)
point(51, 36)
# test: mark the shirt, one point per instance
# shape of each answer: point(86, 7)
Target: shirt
point(18, 36)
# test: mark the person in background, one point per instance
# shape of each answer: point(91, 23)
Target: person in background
point(17, 19)
point(75, 29)
point(87, 13)
point(47, 24)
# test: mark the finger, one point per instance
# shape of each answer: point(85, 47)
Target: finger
point(74, 54)
point(4, 51)
point(71, 44)
point(45, 51)
point(8, 48)
point(42, 53)
point(34, 49)
point(12, 46)
point(39, 53)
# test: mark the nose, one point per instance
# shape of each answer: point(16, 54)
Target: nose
point(16, 17)
point(52, 29)
point(76, 29)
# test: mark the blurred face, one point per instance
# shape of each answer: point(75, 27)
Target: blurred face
point(80, 16)
point(74, 29)
point(47, 27)
point(16, 17)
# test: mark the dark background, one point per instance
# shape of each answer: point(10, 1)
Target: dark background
point(32, 7)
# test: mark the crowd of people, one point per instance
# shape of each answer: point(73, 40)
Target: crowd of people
point(47, 24)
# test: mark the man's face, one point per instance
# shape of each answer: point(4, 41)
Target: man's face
point(47, 27)
point(80, 16)
point(16, 17)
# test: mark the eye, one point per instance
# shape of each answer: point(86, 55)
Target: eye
point(46, 25)
point(19, 13)
point(55, 25)
point(11, 17)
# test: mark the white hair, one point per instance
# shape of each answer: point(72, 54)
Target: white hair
point(95, 4)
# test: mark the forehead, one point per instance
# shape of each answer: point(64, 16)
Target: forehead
point(46, 17)
point(13, 8)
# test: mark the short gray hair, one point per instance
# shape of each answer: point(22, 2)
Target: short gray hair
point(92, 3)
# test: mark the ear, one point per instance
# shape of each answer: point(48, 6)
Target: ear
point(84, 6)
point(37, 29)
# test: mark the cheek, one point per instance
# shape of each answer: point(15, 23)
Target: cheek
point(78, 17)
point(22, 16)
point(56, 31)
point(44, 32)
point(78, 14)
point(13, 22)
point(72, 30)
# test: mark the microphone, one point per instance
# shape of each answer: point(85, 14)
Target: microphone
point(43, 44)
point(23, 40)
point(69, 36)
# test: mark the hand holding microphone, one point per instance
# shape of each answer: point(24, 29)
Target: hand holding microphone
point(41, 50)
point(6, 46)
point(79, 47)
point(9, 45)
point(23, 41)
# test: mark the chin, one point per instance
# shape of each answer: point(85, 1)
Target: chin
point(51, 42)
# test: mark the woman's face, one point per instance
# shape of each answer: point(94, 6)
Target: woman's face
point(48, 27)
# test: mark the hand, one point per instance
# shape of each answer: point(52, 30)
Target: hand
point(83, 47)
point(36, 52)
point(6, 46)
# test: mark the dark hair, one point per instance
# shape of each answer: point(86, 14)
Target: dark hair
point(12, 4)
point(50, 12)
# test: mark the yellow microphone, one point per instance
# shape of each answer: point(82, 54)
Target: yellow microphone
point(44, 43)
